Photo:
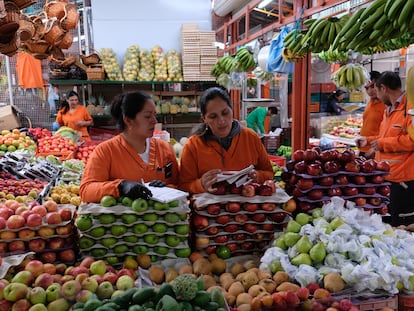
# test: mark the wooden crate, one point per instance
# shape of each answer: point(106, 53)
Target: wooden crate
point(96, 72)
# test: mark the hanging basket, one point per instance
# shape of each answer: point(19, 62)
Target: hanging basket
point(10, 48)
point(53, 32)
point(55, 9)
point(71, 17)
point(38, 47)
point(26, 28)
point(66, 41)
point(90, 59)
point(10, 23)
point(39, 26)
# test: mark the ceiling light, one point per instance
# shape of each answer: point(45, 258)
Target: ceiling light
point(263, 3)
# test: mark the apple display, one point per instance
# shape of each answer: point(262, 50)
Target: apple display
point(213, 209)
point(350, 191)
point(300, 167)
point(305, 183)
point(248, 190)
point(377, 179)
point(233, 207)
point(314, 169)
point(368, 190)
point(359, 180)
point(251, 207)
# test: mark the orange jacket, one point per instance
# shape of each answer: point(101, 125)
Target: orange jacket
point(395, 145)
point(115, 160)
point(372, 117)
point(71, 120)
point(200, 156)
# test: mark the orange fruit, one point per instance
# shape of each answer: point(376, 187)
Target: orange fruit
point(290, 206)
point(144, 261)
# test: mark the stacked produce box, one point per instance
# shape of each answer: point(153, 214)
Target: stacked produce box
point(158, 227)
point(240, 220)
point(313, 177)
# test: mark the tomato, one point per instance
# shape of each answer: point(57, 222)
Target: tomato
point(223, 252)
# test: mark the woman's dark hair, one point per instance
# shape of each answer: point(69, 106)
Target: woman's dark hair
point(128, 105)
point(210, 94)
point(390, 79)
point(336, 94)
point(65, 104)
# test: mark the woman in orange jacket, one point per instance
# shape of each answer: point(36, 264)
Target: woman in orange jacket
point(220, 144)
point(373, 113)
point(74, 115)
point(118, 166)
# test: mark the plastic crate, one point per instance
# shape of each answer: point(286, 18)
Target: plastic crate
point(405, 302)
point(61, 155)
point(377, 304)
point(281, 161)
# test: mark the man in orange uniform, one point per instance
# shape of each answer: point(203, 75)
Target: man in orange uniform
point(373, 114)
point(393, 144)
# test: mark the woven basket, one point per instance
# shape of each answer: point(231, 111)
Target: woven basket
point(58, 74)
point(26, 28)
point(90, 59)
point(55, 9)
point(66, 41)
point(39, 26)
point(95, 72)
point(38, 47)
point(22, 4)
point(10, 48)
point(71, 17)
point(53, 32)
point(10, 23)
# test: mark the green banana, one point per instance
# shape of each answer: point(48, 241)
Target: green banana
point(371, 20)
point(332, 33)
point(406, 13)
point(373, 8)
point(395, 9)
point(381, 22)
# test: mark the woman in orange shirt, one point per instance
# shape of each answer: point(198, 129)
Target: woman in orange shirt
point(74, 115)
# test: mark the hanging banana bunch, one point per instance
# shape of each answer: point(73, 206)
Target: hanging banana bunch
point(350, 76)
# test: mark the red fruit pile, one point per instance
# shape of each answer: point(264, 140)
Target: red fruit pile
point(313, 176)
point(39, 132)
point(84, 151)
point(55, 144)
point(248, 190)
point(21, 187)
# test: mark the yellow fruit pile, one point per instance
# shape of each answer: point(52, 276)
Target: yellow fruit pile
point(67, 194)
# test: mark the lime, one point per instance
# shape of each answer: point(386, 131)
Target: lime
point(223, 252)
point(84, 222)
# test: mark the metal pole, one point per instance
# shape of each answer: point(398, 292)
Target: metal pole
point(9, 80)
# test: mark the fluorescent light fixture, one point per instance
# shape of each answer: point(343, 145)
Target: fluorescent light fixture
point(263, 3)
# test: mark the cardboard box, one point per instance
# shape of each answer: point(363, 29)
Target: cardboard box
point(8, 119)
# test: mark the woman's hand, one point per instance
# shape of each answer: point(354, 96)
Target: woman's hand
point(253, 175)
point(209, 179)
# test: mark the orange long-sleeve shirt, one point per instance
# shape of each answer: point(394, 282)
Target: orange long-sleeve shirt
point(371, 120)
point(71, 120)
point(200, 156)
point(394, 143)
point(115, 160)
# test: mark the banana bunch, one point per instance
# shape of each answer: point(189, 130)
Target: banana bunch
point(289, 56)
point(244, 60)
point(223, 79)
point(333, 56)
point(400, 12)
point(350, 76)
point(224, 64)
point(263, 75)
point(391, 45)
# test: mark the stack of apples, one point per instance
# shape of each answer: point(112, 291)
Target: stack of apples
point(55, 144)
point(123, 227)
point(46, 229)
point(45, 286)
point(267, 188)
point(314, 176)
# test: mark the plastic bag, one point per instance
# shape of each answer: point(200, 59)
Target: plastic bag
point(275, 61)
point(306, 275)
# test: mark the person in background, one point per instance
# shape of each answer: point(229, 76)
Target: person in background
point(256, 119)
point(333, 100)
point(74, 115)
point(394, 145)
point(118, 166)
point(220, 144)
point(53, 97)
point(373, 113)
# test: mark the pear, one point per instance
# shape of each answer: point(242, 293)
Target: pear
point(293, 226)
point(303, 245)
point(303, 218)
point(290, 238)
point(302, 259)
point(318, 252)
point(336, 222)
point(317, 212)
point(275, 266)
point(280, 242)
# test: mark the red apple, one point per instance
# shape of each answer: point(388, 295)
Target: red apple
point(383, 166)
point(326, 156)
point(53, 218)
point(310, 155)
point(375, 201)
point(347, 155)
point(213, 209)
point(248, 190)
point(212, 230)
point(26, 234)
point(264, 190)
point(223, 219)
point(247, 245)
point(268, 227)
point(220, 188)
point(233, 189)
point(271, 184)
point(51, 206)
point(251, 207)
point(350, 191)
point(352, 166)
point(297, 193)
point(300, 167)
point(298, 155)
point(360, 201)
point(341, 179)
point(17, 246)
point(368, 190)
point(239, 237)
point(3, 223)
point(46, 231)
point(35, 266)
point(269, 207)
point(334, 192)
point(211, 249)
point(34, 220)
point(259, 217)
point(64, 230)
point(37, 245)
point(368, 166)
point(233, 207)
point(232, 247)
point(56, 243)
point(314, 169)
point(241, 218)
point(252, 228)
point(67, 255)
point(111, 277)
point(15, 222)
point(359, 179)
point(278, 217)
point(377, 179)
point(200, 222)
point(231, 228)
point(6, 212)
point(331, 167)
point(315, 194)
point(221, 239)
point(305, 183)
point(326, 181)
point(39, 209)
point(65, 214)
point(384, 190)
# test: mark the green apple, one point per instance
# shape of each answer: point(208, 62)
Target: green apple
point(37, 295)
point(85, 242)
point(108, 242)
point(59, 304)
point(183, 216)
point(99, 252)
point(158, 206)
point(53, 292)
point(182, 229)
point(183, 252)
point(126, 201)
point(139, 205)
point(159, 228)
point(161, 250)
point(15, 291)
point(38, 307)
point(174, 203)
point(172, 218)
point(106, 219)
point(151, 239)
point(131, 239)
point(150, 217)
point(124, 282)
point(97, 232)
point(120, 249)
point(104, 290)
point(84, 222)
point(118, 230)
point(129, 218)
point(140, 228)
point(112, 260)
point(90, 284)
point(98, 267)
point(24, 277)
point(140, 249)
point(108, 201)
point(172, 240)
point(70, 289)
